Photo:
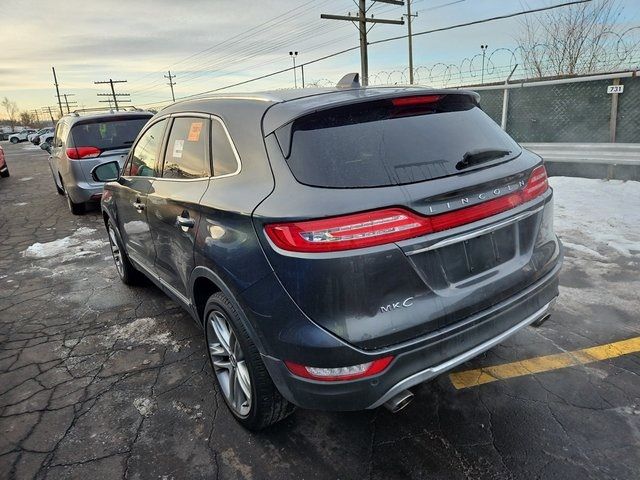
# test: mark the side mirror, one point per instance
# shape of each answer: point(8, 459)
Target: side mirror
point(45, 146)
point(106, 172)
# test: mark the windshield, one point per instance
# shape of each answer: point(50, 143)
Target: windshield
point(392, 142)
point(107, 134)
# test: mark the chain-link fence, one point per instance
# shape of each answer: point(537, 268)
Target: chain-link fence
point(567, 110)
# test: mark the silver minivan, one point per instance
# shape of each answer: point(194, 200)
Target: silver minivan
point(83, 140)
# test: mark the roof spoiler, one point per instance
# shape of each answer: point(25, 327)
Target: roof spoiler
point(350, 80)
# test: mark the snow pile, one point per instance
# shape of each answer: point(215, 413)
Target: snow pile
point(594, 217)
point(142, 331)
point(67, 248)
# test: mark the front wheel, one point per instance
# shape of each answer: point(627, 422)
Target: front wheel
point(242, 378)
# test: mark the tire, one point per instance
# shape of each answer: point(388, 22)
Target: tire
point(14, 140)
point(60, 190)
point(75, 208)
point(126, 271)
point(266, 406)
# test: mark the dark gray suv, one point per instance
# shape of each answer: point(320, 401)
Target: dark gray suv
point(338, 246)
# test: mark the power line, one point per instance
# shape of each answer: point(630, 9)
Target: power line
point(268, 25)
point(346, 50)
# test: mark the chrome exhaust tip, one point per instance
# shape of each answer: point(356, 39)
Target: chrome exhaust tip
point(399, 401)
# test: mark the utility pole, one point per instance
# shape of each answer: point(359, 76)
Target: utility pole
point(55, 82)
point(171, 84)
point(48, 109)
point(293, 55)
point(362, 20)
point(66, 101)
point(410, 37)
point(484, 52)
point(35, 112)
point(113, 93)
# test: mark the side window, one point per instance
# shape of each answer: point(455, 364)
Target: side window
point(144, 159)
point(187, 154)
point(61, 132)
point(225, 160)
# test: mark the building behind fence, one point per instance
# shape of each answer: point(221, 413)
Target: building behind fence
point(576, 109)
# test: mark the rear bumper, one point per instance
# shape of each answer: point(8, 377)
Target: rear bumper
point(83, 191)
point(421, 359)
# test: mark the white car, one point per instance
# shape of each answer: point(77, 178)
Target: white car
point(20, 136)
point(35, 137)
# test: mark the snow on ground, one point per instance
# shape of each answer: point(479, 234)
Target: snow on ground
point(142, 331)
point(76, 245)
point(598, 222)
point(593, 216)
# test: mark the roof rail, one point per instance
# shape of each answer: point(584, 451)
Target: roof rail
point(128, 108)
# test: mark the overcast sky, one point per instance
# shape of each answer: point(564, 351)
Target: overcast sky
point(209, 44)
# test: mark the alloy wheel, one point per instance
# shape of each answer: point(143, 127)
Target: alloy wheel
point(229, 363)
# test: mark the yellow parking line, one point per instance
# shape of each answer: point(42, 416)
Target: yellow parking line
point(479, 376)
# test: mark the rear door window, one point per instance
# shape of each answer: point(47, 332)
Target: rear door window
point(393, 142)
point(144, 158)
point(187, 154)
point(111, 133)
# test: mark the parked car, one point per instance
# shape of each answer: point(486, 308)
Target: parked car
point(4, 169)
point(20, 136)
point(81, 142)
point(338, 247)
point(35, 137)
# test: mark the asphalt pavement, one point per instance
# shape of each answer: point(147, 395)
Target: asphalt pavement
point(100, 380)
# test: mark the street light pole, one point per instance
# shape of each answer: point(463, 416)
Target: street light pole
point(484, 51)
point(293, 57)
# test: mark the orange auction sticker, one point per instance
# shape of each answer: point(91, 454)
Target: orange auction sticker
point(194, 132)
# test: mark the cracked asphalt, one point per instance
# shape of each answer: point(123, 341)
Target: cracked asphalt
point(100, 380)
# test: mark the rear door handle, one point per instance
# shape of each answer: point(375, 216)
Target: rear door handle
point(186, 222)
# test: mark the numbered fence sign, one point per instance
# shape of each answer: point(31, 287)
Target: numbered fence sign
point(615, 89)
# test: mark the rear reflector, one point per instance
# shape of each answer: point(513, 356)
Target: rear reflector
point(389, 225)
point(77, 153)
point(337, 374)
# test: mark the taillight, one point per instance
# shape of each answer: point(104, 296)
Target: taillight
point(337, 374)
point(415, 100)
point(389, 225)
point(76, 153)
point(350, 231)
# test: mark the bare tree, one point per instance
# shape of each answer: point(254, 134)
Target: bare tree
point(26, 118)
point(12, 111)
point(579, 39)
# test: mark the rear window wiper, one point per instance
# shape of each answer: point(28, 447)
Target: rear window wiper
point(476, 157)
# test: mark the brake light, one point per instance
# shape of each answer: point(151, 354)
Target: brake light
point(76, 153)
point(350, 231)
point(417, 100)
point(338, 374)
point(390, 225)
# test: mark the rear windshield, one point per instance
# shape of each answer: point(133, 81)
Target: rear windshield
point(393, 142)
point(107, 133)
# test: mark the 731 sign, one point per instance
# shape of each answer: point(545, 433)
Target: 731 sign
point(615, 89)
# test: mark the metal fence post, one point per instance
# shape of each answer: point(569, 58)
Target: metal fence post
point(505, 100)
point(613, 119)
point(505, 107)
